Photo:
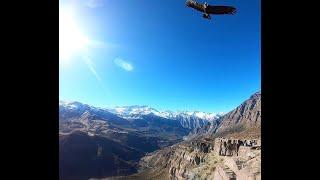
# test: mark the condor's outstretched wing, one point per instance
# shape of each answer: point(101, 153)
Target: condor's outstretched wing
point(221, 10)
point(195, 5)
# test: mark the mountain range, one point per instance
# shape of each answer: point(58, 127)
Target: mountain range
point(136, 130)
point(137, 118)
point(228, 151)
point(134, 138)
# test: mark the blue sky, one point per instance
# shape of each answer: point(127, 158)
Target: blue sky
point(159, 53)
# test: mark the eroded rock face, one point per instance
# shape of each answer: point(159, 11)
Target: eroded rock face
point(231, 147)
point(248, 115)
point(220, 158)
point(245, 116)
point(202, 146)
point(179, 160)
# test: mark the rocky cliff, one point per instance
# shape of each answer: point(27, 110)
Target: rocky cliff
point(247, 115)
point(219, 158)
point(228, 150)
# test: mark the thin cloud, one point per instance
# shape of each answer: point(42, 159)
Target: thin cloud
point(123, 64)
point(94, 3)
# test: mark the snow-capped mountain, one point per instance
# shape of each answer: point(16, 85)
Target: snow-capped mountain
point(138, 111)
point(200, 115)
point(192, 120)
point(134, 112)
point(138, 116)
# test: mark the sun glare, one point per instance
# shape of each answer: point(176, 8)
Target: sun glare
point(71, 39)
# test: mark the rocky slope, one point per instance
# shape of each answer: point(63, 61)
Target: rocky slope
point(231, 150)
point(247, 115)
point(218, 158)
point(82, 156)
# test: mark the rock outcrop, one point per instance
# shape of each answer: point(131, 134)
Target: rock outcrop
point(247, 115)
point(244, 117)
point(218, 158)
point(231, 147)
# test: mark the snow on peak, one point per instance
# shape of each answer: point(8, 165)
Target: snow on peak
point(137, 111)
point(198, 114)
point(70, 104)
point(134, 111)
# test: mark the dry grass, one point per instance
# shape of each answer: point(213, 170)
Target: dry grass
point(252, 133)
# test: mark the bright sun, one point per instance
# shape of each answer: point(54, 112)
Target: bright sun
point(71, 39)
